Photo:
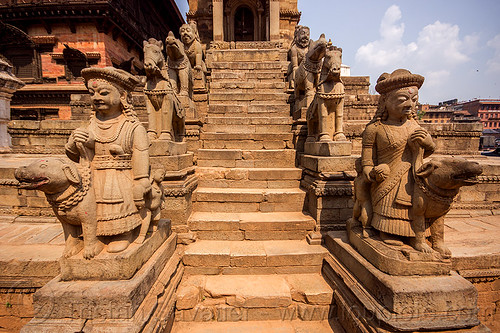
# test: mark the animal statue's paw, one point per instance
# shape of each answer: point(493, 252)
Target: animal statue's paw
point(72, 248)
point(442, 249)
point(92, 250)
point(152, 136)
point(339, 137)
point(423, 247)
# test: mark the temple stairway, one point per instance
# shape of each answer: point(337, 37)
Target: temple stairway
point(251, 268)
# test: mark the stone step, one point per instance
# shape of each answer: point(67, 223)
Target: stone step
point(244, 65)
point(262, 297)
point(251, 226)
point(247, 128)
point(258, 120)
point(268, 326)
point(246, 141)
point(246, 55)
point(247, 75)
point(214, 257)
point(249, 108)
point(251, 174)
point(246, 96)
point(232, 85)
point(239, 200)
point(239, 158)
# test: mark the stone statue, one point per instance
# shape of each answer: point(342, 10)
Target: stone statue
point(165, 111)
point(403, 201)
point(307, 74)
point(326, 112)
point(297, 51)
point(115, 148)
point(179, 66)
point(194, 50)
point(67, 188)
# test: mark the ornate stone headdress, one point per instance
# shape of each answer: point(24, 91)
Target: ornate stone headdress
point(400, 78)
point(115, 76)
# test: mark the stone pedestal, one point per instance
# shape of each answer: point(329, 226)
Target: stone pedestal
point(370, 300)
point(167, 148)
point(178, 184)
point(401, 260)
point(115, 266)
point(329, 185)
point(334, 148)
point(142, 303)
point(8, 86)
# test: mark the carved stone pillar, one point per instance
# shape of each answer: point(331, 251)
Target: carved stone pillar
point(8, 86)
point(218, 20)
point(274, 20)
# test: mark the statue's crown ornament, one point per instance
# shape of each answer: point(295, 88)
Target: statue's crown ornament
point(400, 78)
point(115, 76)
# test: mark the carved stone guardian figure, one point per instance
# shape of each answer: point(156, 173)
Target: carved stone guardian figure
point(165, 111)
point(194, 51)
point(306, 76)
point(396, 193)
point(115, 148)
point(297, 51)
point(325, 114)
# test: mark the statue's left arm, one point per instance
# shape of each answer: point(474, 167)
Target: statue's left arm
point(423, 139)
point(198, 51)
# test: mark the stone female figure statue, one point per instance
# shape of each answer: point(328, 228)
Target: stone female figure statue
point(115, 146)
point(390, 153)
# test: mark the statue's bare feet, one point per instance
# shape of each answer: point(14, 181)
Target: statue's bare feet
point(441, 248)
point(324, 138)
point(140, 239)
point(120, 242)
point(390, 239)
point(166, 136)
point(93, 249)
point(365, 233)
point(73, 246)
point(423, 247)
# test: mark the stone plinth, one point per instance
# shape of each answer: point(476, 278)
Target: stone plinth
point(329, 186)
point(368, 299)
point(122, 305)
point(396, 260)
point(112, 266)
point(8, 86)
point(167, 148)
point(334, 148)
point(178, 184)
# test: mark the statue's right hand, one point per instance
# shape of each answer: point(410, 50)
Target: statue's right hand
point(366, 172)
point(83, 136)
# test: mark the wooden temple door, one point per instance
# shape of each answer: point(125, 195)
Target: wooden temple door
point(244, 24)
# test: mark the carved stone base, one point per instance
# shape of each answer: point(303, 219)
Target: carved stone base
point(329, 186)
point(144, 301)
point(178, 202)
point(115, 266)
point(167, 148)
point(329, 164)
point(334, 148)
point(396, 260)
point(172, 163)
point(369, 300)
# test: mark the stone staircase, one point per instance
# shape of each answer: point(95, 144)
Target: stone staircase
point(251, 267)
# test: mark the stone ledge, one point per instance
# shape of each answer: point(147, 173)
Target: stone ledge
point(114, 266)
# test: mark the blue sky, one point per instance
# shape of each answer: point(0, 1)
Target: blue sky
point(454, 44)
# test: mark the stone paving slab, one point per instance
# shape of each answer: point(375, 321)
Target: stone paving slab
point(293, 326)
point(474, 242)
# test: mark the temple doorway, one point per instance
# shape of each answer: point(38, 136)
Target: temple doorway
point(243, 24)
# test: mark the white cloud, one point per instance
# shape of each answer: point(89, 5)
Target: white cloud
point(389, 49)
point(436, 53)
point(494, 63)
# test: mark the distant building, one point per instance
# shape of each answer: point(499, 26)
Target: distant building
point(451, 111)
point(488, 111)
point(49, 42)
